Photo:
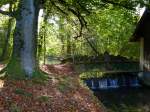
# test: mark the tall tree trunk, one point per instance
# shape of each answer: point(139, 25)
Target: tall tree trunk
point(62, 44)
point(25, 38)
point(6, 43)
point(44, 48)
point(44, 39)
point(5, 52)
point(68, 45)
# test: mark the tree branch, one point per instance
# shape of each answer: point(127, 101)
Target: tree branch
point(75, 11)
point(7, 13)
point(83, 8)
point(54, 4)
point(118, 4)
point(81, 19)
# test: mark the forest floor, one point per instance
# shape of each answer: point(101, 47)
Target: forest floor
point(63, 92)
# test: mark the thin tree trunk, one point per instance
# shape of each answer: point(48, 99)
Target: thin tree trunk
point(62, 44)
point(44, 39)
point(68, 45)
point(61, 36)
point(44, 49)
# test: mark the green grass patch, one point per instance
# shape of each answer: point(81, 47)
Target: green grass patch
point(107, 74)
point(40, 77)
point(15, 108)
point(23, 92)
point(64, 84)
point(45, 99)
point(88, 75)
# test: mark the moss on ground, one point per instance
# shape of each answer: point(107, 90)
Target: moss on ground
point(15, 108)
point(22, 92)
point(45, 99)
point(14, 71)
point(40, 77)
point(64, 84)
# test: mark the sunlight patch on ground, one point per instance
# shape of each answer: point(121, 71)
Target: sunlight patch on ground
point(1, 84)
point(2, 66)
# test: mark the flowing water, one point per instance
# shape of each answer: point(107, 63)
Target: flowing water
point(115, 82)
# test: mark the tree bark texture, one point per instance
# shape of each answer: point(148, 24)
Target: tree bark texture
point(25, 38)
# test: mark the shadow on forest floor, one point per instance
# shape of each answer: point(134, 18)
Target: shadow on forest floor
point(125, 100)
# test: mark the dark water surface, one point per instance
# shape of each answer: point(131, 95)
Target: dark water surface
point(121, 93)
point(125, 99)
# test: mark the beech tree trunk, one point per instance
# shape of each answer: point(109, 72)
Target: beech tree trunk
point(25, 38)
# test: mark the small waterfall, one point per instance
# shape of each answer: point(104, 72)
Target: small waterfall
point(113, 83)
point(103, 84)
point(119, 81)
point(92, 87)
